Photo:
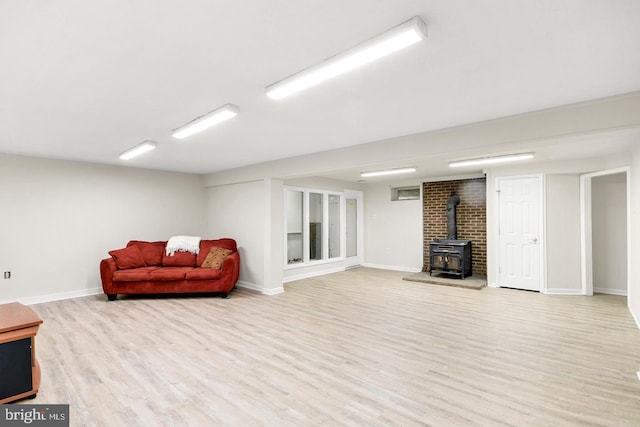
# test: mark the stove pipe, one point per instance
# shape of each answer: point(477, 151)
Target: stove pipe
point(452, 222)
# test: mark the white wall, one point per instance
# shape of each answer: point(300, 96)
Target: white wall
point(563, 233)
point(58, 219)
point(237, 211)
point(463, 141)
point(393, 230)
point(320, 183)
point(273, 226)
point(560, 212)
point(609, 233)
point(633, 296)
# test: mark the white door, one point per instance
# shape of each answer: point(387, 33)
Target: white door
point(353, 228)
point(519, 231)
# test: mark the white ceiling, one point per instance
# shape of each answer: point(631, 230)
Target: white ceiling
point(87, 80)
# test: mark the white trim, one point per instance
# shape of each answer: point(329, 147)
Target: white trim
point(248, 285)
point(57, 296)
point(392, 267)
point(354, 261)
point(273, 291)
point(635, 318)
point(306, 262)
point(312, 274)
point(313, 263)
point(586, 257)
point(259, 288)
point(608, 291)
point(586, 253)
point(543, 233)
point(563, 292)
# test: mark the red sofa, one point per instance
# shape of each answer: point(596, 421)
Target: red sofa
point(145, 268)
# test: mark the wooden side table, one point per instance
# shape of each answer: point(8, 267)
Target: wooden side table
point(19, 368)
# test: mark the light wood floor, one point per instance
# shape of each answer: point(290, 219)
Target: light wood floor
point(358, 348)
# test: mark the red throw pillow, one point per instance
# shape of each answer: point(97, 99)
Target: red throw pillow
point(130, 257)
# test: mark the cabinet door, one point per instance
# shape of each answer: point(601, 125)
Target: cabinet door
point(15, 368)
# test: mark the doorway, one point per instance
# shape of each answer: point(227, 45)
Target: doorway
point(520, 232)
point(605, 222)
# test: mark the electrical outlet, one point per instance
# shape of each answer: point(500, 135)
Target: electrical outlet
point(638, 373)
point(7, 275)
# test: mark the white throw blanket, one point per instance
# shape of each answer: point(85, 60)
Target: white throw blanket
point(183, 243)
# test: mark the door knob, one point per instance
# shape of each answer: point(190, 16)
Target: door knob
point(534, 240)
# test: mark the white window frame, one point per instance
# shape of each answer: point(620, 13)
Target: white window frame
point(306, 261)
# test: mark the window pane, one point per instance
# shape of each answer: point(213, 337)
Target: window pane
point(334, 226)
point(405, 193)
point(294, 212)
point(315, 226)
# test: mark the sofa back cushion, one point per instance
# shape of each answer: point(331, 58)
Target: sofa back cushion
point(179, 259)
point(129, 257)
point(206, 245)
point(151, 251)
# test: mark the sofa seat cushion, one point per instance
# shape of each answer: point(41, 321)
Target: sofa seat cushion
point(133, 275)
point(203, 274)
point(151, 251)
point(169, 273)
point(179, 259)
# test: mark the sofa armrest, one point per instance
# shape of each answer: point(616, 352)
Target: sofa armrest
point(107, 267)
point(230, 271)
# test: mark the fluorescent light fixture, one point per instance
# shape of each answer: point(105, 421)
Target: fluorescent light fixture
point(204, 122)
point(395, 39)
point(138, 149)
point(387, 172)
point(491, 160)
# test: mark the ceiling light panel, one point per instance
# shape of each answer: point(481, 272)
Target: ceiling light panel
point(210, 119)
point(138, 150)
point(397, 38)
point(387, 172)
point(491, 160)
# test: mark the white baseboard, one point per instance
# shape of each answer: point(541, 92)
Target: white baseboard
point(56, 297)
point(259, 288)
point(635, 318)
point(392, 267)
point(621, 292)
point(249, 285)
point(563, 292)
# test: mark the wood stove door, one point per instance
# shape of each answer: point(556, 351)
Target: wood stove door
point(438, 262)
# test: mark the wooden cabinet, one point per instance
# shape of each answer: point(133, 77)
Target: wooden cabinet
point(19, 368)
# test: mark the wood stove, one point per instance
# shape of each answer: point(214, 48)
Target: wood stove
point(451, 256)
